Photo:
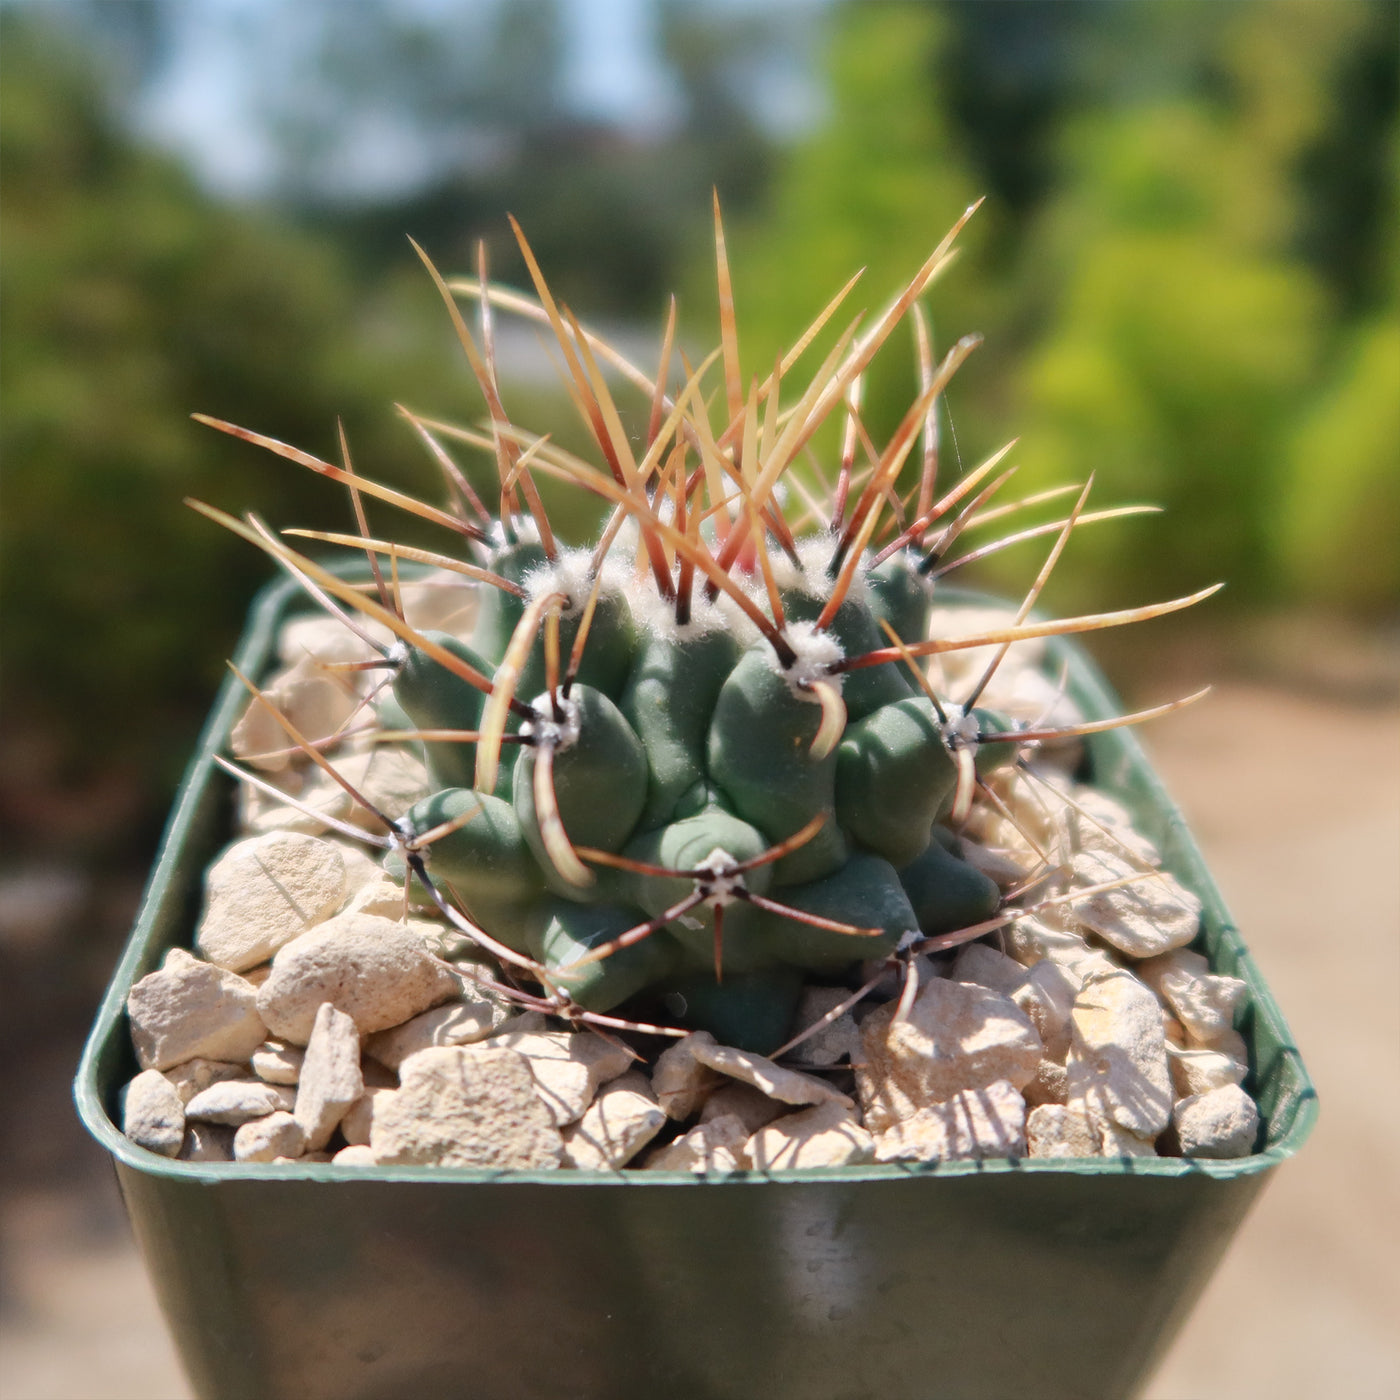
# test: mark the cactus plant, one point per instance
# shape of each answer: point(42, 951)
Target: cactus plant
point(685, 768)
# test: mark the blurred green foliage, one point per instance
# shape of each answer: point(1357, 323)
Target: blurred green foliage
point(1186, 272)
point(1338, 516)
point(131, 300)
point(875, 190)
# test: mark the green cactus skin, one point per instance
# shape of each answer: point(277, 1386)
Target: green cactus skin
point(697, 799)
point(683, 845)
point(669, 698)
point(944, 891)
point(500, 611)
point(392, 715)
point(993, 756)
point(856, 629)
point(752, 1011)
point(893, 776)
point(692, 746)
point(865, 891)
point(487, 861)
point(759, 754)
point(568, 931)
point(899, 595)
point(431, 697)
point(607, 658)
point(600, 781)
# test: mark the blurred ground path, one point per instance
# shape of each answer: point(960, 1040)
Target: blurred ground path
point(1297, 805)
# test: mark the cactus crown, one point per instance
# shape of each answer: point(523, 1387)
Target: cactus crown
point(680, 771)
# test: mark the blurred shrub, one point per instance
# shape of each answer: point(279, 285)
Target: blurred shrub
point(1185, 278)
point(875, 188)
point(1172, 362)
point(1339, 512)
point(132, 300)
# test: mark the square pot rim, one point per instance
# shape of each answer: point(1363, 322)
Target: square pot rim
point(258, 644)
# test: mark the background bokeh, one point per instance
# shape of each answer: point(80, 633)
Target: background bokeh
point(1187, 272)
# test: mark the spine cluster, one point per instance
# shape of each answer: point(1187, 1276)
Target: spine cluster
point(680, 771)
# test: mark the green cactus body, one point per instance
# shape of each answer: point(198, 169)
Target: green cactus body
point(866, 892)
point(392, 715)
point(599, 780)
point(669, 699)
point(893, 775)
point(716, 748)
point(569, 931)
point(431, 697)
point(607, 654)
point(760, 744)
point(487, 861)
point(500, 610)
point(900, 596)
point(697, 799)
point(996, 755)
point(945, 892)
point(706, 754)
point(683, 845)
point(855, 629)
point(752, 1011)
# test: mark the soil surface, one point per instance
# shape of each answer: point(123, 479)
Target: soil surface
point(1296, 804)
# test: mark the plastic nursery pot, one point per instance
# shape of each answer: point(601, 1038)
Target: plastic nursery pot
point(1046, 1278)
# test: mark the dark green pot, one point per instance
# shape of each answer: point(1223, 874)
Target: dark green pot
point(1000, 1279)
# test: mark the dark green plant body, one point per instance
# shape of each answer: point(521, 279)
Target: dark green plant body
point(713, 770)
point(707, 755)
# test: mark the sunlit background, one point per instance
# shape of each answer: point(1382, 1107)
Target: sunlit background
point(1187, 272)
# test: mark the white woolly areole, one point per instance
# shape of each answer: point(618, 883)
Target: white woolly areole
point(545, 730)
point(814, 579)
point(571, 573)
point(737, 620)
point(523, 527)
point(656, 615)
point(816, 652)
point(962, 730)
point(721, 883)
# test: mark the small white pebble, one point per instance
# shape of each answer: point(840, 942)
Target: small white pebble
point(717, 1146)
point(330, 1076)
point(276, 1062)
point(623, 1118)
point(193, 1076)
point(1222, 1123)
point(827, 1135)
point(235, 1101)
point(264, 1139)
point(189, 1009)
point(356, 1155)
point(152, 1115)
point(357, 1126)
